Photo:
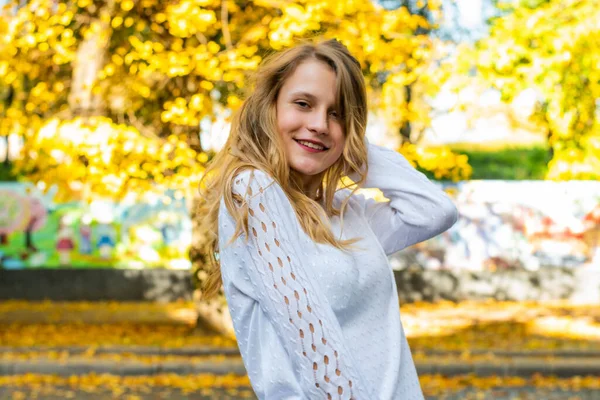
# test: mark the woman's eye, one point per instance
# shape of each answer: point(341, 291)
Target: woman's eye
point(302, 104)
point(334, 114)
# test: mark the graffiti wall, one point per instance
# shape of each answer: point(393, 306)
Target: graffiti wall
point(531, 224)
point(36, 232)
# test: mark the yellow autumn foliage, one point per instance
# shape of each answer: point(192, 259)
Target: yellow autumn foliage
point(108, 96)
point(553, 48)
point(441, 160)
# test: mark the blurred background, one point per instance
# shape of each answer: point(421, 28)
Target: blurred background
point(110, 110)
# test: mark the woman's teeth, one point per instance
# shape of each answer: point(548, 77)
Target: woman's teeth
point(311, 145)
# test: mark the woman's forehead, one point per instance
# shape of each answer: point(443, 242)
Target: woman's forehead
point(314, 80)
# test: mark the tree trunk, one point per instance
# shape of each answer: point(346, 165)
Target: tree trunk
point(8, 102)
point(88, 63)
point(194, 140)
point(6, 160)
point(213, 315)
point(406, 128)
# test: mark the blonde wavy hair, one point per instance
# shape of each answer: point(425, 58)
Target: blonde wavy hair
point(254, 143)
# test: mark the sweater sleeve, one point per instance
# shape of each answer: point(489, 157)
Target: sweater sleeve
point(289, 295)
point(417, 209)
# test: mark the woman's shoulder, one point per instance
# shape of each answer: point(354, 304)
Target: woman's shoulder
point(250, 181)
point(246, 174)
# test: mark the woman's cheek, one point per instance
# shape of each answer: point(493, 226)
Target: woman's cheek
point(286, 123)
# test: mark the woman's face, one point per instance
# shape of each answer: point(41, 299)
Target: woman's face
point(308, 121)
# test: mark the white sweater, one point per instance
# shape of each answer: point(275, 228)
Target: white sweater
point(315, 322)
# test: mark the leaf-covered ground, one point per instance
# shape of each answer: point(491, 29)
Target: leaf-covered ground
point(123, 333)
point(201, 387)
point(488, 331)
point(527, 326)
point(93, 386)
point(463, 327)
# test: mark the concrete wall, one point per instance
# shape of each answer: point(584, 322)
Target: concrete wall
point(159, 285)
point(414, 284)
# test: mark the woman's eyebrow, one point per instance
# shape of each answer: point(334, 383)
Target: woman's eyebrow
point(307, 95)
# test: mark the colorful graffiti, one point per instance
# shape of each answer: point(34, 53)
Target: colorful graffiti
point(37, 233)
point(528, 224)
point(502, 224)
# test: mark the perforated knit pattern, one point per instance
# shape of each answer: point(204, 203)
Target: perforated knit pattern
point(282, 284)
point(315, 322)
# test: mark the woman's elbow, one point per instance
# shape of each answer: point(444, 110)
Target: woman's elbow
point(448, 215)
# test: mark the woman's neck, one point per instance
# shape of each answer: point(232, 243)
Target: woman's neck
point(311, 185)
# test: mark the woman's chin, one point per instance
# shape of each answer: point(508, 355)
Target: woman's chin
point(307, 170)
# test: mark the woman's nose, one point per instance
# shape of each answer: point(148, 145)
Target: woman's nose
point(319, 122)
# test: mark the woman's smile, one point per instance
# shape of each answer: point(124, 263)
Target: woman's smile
point(311, 146)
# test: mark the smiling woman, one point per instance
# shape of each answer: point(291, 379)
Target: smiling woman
point(302, 258)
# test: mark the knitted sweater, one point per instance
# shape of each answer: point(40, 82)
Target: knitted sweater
point(316, 322)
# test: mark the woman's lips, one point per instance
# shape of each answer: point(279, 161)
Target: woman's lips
point(309, 149)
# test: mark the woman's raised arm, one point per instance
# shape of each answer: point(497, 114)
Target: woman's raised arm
point(417, 209)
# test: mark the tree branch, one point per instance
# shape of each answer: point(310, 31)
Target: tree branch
point(225, 23)
point(141, 127)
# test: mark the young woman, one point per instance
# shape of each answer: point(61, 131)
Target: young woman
point(303, 260)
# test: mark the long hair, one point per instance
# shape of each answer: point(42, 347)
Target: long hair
point(254, 143)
